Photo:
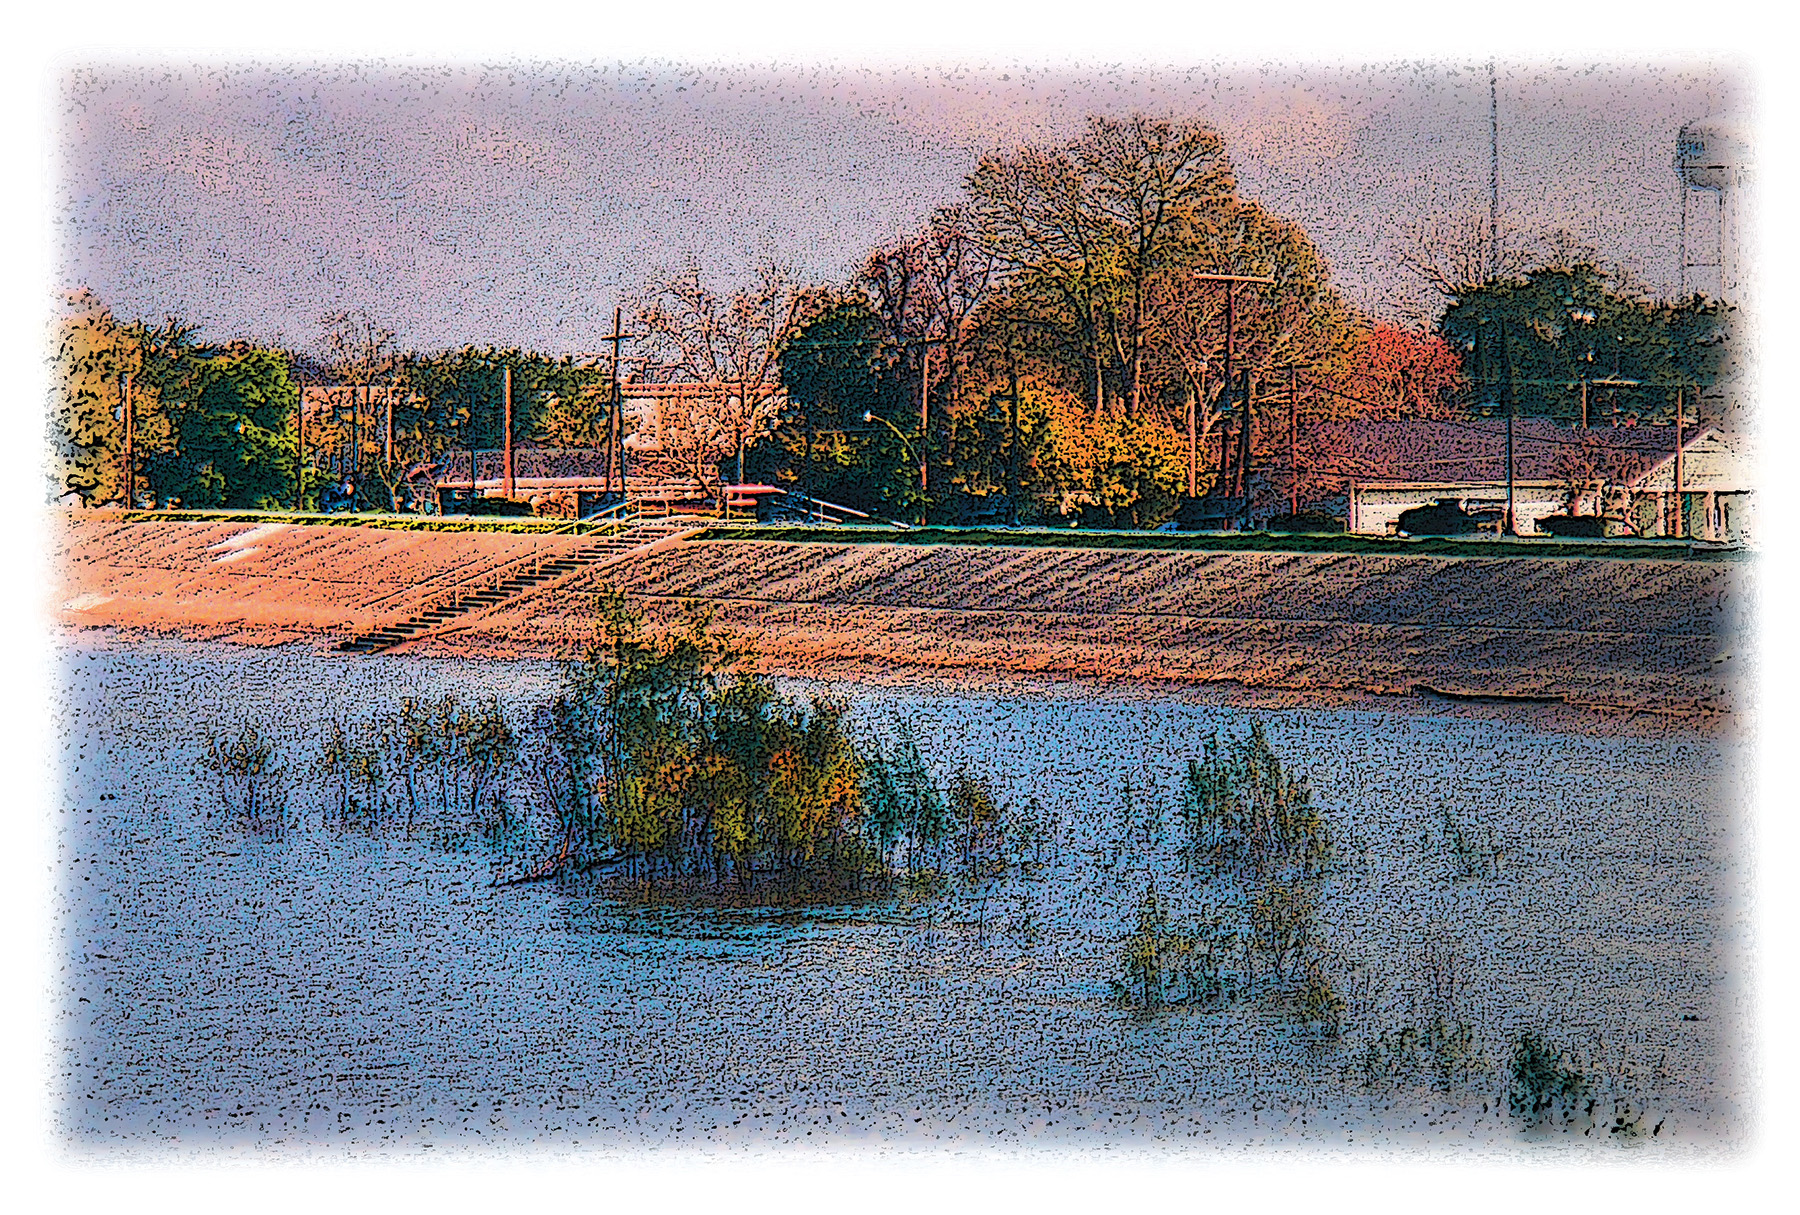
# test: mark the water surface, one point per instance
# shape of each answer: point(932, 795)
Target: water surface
point(329, 992)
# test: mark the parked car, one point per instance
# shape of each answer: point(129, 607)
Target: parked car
point(1585, 525)
point(1442, 518)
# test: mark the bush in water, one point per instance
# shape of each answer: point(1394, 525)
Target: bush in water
point(444, 765)
point(252, 782)
point(674, 767)
point(1544, 1082)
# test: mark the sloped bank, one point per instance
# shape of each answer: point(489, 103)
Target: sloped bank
point(1645, 634)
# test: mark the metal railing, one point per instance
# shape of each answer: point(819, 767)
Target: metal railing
point(628, 512)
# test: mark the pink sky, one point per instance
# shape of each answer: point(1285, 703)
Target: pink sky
point(517, 205)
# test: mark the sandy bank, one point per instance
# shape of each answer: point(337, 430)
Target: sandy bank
point(1652, 636)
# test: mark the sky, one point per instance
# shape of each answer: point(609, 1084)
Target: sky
point(516, 204)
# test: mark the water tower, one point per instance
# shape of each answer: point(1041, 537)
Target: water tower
point(1709, 160)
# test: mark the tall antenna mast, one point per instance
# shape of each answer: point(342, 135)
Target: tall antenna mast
point(1493, 175)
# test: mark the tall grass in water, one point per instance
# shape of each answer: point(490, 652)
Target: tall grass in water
point(253, 783)
point(1254, 848)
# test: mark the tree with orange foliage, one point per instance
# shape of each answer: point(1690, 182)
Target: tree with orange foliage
point(1398, 373)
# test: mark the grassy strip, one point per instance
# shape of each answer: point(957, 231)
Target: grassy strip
point(1207, 542)
point(1226, 542)
point(404, 523)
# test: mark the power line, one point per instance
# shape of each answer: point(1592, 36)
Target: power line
point(1482, 429)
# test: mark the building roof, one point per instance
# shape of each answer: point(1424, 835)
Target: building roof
point(585, 463)
point(1450, 452)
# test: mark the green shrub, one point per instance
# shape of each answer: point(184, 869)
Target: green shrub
point(1472, 854)
point(1155, 960)
point(1244, 811)
point(1544, 1082)
point(252, 781)
point(675, 768)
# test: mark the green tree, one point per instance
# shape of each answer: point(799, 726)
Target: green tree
point(1244, 810)
point(86, 434)
point(1089, 226)
point(1546, 331)
point(86, 416)
point(905, 807)
point(234, 438)
point(456, 398)
point(835, 367)
point(1099, 240)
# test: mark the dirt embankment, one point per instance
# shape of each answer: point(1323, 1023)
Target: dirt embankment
point(1650, 635)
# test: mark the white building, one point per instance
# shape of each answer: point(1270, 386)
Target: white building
point(1631, 474)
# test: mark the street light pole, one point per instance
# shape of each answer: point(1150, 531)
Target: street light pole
point(870, 416)
point(507, 421)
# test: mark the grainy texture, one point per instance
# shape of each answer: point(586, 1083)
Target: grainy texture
point(331, 991)
point(1645, 635)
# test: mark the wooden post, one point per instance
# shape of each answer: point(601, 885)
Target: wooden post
point(1680, 521)
point(130, 442)
point(506, 420)
point(299, 443)
point(1293, 440)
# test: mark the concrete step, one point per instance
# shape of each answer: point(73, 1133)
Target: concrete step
point(591, 552)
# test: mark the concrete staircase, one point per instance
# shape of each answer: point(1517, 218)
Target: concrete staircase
point(594, 552)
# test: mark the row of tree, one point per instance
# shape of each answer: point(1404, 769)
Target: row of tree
point(1048, 348)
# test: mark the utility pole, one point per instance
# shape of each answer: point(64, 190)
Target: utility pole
point(1012, 443)
point(744, 412)
point(299, 442)
point(1511, 408)
point(1680, 519)
point(506, 418)
point(130, 445)
point(1230, 329)
point(355, 436)
point(615, 429)
point(1244, 445)
point(1293, 440)
point(388, 452)
point(1584, 415)
point(1493, 175)
point(924, 429)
